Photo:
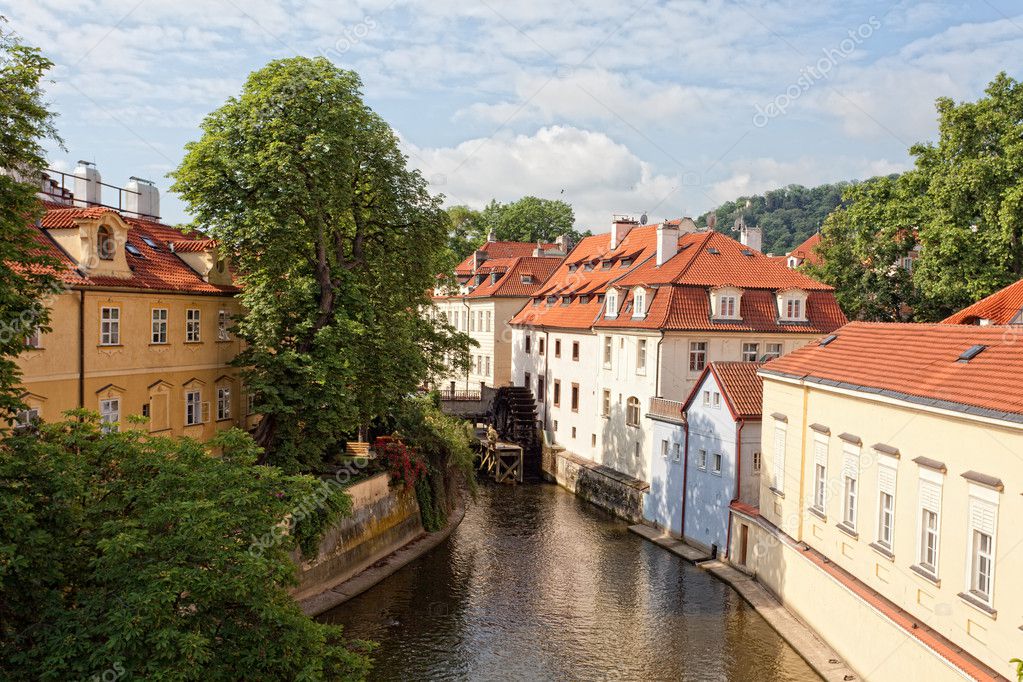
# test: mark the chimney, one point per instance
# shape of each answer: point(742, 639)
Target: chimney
point(141, 198)
point(491, 236)
point(477, 259)
point(620, 229)
point(88, 190)
point(751, 237)
point(687, 225)
point(564, 246)
point(538, 251)
point(667, 242)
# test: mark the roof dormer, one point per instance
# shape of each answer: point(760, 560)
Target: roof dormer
point(726, 303)
point(203, 256)
point(639, 303)
point(611, 304)
point(792, 305)
point(96, 242)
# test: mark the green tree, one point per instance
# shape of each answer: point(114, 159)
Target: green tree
point(530, 219)
point(148, 557)
point(863, 243)
point(466, 232)
point(973, 180)
point(25, 273)
point(336, 243)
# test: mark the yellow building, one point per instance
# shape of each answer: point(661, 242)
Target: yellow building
point(890, 499)
point(140, 326)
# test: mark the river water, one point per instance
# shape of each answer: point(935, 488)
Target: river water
point(538, 585)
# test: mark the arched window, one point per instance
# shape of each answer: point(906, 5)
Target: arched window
point(105, 244)
point(632, 411)
point(639, 302)
point(611, 309)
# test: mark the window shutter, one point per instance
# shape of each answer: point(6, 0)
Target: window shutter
point(851, 461)
point(982, 516)
point(779, 456)
point(886, 479)
point(930, 496)
point(205, 412)
point(820, 451)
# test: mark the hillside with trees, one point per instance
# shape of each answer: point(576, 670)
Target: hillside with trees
point(787, 216)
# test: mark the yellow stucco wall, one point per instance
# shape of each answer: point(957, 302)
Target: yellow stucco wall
point(136, 371)
point(963, 445)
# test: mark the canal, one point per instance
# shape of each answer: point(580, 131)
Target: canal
point(538, 585)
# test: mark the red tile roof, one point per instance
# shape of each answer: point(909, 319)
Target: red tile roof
point(740, 384)
point(499, 250)
point(807, 251)
point(157, 268)
point(918, 363)
point(1002, 307)
point(510, 272)
point(677, 291)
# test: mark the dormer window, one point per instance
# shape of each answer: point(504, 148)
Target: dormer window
point(588, 267)
point(792, 305)
point(527, 279)
point(105, 243)
point(793, 262)
point(639, 302)
point(726, 303)
point(605, 264)
point(611, 309)
point(494, 277)
point(626, 262)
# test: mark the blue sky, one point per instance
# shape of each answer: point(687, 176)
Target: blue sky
point(617, 106)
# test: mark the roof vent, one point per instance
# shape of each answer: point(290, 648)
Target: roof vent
point(827, 339)
point(971, 352)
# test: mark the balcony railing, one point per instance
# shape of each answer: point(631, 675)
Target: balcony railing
point(448, 394)
point(668, 409)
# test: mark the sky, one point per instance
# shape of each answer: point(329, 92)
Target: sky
point(615, 106)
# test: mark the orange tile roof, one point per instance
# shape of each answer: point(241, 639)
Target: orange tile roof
point(918, 363)
point(510, 272)
point(808, 250)
point(1002, 307)
point(157, 268)
point(739, 382)
point(499, 250)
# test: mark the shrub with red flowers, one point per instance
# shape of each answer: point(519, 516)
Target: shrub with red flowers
point(402, 462)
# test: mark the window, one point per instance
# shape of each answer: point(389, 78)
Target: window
point(557, 348)
point(773, 351)
point(575, 397)
point(930, 525)
point(664, 449)
point(192, 325)
point(224, 403)
point(780, 433)
point(26, 419)
point(529, 344)
point(641, 356)
point(717, 463)
point(750, 352)
point(487, 366)
point(850, 481)
point(607, 352)
point(575, 351)
point(716, 399)
point(632, 411)
point(490, 320)
point(794, 309)
point(250, 403)
point(983, 516)
point(886, 476)
point(110, 414)
point(159, 325)
point(726, 306)
point(676, 452)
point(593, 440)
point(701, 460)
point(527, 380)
point(222, 327)
point(757, 463)
point(193, 408)
point(557, 393)
point(465, 320)
point(110, 327)
point(706, 398)
point(541, 346)
point(820, 473)
point(539, 389)
point(611, 307)
point(32, 340)
point(792, 305)
point(105, 243)
point(472, 321)
point(697, 356)
point(605, 408)
point(639, 303)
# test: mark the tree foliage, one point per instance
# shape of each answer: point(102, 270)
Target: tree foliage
point(25, 277)
point(786, 216)
point(862, 245)
point(336, 243)
point(140, 554)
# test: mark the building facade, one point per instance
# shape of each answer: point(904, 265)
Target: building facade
point(140, 322)
point(891, 481)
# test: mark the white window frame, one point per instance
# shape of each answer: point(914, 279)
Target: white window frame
point(110, 326)
point(982, 520)
point(697, 356)
point(929, 502)
point(750, 351)
point(605, 404)
point(718, 460)
point(821, 446)
point(633, 409)
point(193, 407)
point(676, 452)
point(850, 484)
point(664, 448)
point(611, 304)
point(223, 402)
point(160, 317)
point(641, 356)
point(638, 303)
point(701, 460)
point(26, 418)
point(887, 482)
point(193, 325)
point(757, 462)
point(608, 351)
point(223, 333)
point(773, 354)
point(110, 414)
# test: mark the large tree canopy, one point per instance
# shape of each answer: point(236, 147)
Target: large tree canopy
point(336, 243)
point(125, 554)
point(24, 278)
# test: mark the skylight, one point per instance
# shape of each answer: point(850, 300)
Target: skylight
point(133, 250)
point(971, 352)
point(150, 243)
point(713, 251)
point(827, 339)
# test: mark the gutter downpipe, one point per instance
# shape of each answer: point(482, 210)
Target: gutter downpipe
point(738, 482)
point(657, 367)
point(81, 348)
point(685, 472)
point(802, 461)
point(546, 373)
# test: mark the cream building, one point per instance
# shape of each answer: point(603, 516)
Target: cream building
point(890, 493)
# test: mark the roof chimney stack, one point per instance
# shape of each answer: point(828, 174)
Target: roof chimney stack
point(667, 242)
point(491, 236)
point(88, 187)
point(538, 251)
point(142, 198)
point(620, 229)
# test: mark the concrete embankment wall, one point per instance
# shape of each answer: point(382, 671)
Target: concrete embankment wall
point(606, 488)
point(383, 520)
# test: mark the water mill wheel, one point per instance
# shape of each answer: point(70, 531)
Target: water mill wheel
point(514, 412)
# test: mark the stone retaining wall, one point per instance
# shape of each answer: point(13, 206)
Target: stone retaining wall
point(610, 490)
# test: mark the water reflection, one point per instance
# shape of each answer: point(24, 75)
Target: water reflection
point(537, 585)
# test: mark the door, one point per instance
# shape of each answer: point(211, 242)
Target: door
point(743, 543)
